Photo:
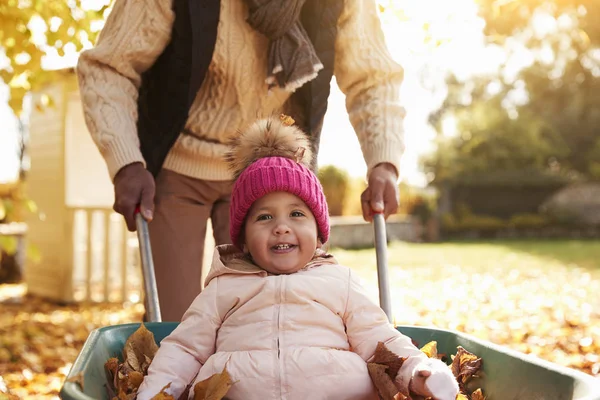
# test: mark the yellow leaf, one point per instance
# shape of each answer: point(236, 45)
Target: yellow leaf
point(461, 396)
point(286, 120)
point(213, 388)
point(163, 395)
point(430, 349)
point(8, 396)
point(477, 395)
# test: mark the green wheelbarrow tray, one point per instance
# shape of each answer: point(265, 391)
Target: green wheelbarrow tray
point(508, 375)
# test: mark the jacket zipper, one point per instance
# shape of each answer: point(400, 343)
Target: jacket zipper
point(278, 333)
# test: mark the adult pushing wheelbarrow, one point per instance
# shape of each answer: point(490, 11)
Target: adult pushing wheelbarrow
point(170, 81)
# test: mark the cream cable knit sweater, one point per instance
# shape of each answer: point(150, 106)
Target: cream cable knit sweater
point(234, 92)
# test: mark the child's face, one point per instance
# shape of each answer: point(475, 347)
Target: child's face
point(280, 233)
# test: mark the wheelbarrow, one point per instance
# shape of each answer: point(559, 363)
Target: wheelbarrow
point(507, 374)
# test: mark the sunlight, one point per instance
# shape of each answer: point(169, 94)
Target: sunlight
point(424, 43)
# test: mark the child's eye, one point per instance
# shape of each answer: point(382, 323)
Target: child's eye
point(297, 214)
point(263, 217)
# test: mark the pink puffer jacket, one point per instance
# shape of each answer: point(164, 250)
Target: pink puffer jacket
point(301, 336)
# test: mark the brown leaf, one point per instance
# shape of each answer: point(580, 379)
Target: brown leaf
point(146, 363)
point(131, 358)
point(388, 358)
point(465, 365)
point(430, 349)
point(213, 388)
point(162, 395)
point(111, 365)
point(477, 395)
point(121, 383)
point(77, 378)
point(135, 379)
point(138, 346)
point(122, 396)
point(385, 385)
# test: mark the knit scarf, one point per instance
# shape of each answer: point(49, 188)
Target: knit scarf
point(292, 60)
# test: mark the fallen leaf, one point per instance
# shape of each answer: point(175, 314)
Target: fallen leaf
point(163, 395)
point(383, 383)
point(6, 396)
point(77, 378)
point(388, 358)
point(477, 395)
point(131, 358)
point(135, 380)
point(112, 365)
point(213, 388)
point(461, 396)
point(430, 349)
point(465, 365)
point(139, 345)
point(286, 120)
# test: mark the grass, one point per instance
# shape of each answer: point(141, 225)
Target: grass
point(480, 254)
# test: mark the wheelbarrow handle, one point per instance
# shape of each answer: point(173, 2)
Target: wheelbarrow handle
point(382, 261)
point(150, 290)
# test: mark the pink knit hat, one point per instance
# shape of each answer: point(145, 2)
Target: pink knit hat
point(273, 156)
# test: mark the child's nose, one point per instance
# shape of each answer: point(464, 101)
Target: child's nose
point(282, 228)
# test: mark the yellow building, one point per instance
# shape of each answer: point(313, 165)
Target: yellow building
point(86, 251)
point(70, 185)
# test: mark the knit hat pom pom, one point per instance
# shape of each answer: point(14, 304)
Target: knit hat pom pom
point(270, 137)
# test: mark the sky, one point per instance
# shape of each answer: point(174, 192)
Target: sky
point(454, 23)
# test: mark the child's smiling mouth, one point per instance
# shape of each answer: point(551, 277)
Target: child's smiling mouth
point(283, 247)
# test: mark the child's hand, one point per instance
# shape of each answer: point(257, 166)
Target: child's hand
point(433, 378)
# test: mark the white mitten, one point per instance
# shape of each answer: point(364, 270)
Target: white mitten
point(433, 378)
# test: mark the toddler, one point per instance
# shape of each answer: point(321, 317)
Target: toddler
point(284, 318)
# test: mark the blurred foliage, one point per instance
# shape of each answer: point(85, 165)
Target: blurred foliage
point(544, 117)
point(335, 186)
point(505, 18)
point(30, 29)
point(412, 198)
point(352, 204)
point(417, 202)
point(15, 206)
point(463, 219)
point(528, 221)
point(471, 222)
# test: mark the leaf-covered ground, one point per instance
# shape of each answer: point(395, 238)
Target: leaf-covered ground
point(539, 297)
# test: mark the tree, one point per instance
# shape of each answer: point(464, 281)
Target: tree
point(546, 116)
point(492, 144)
point(30, 29)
